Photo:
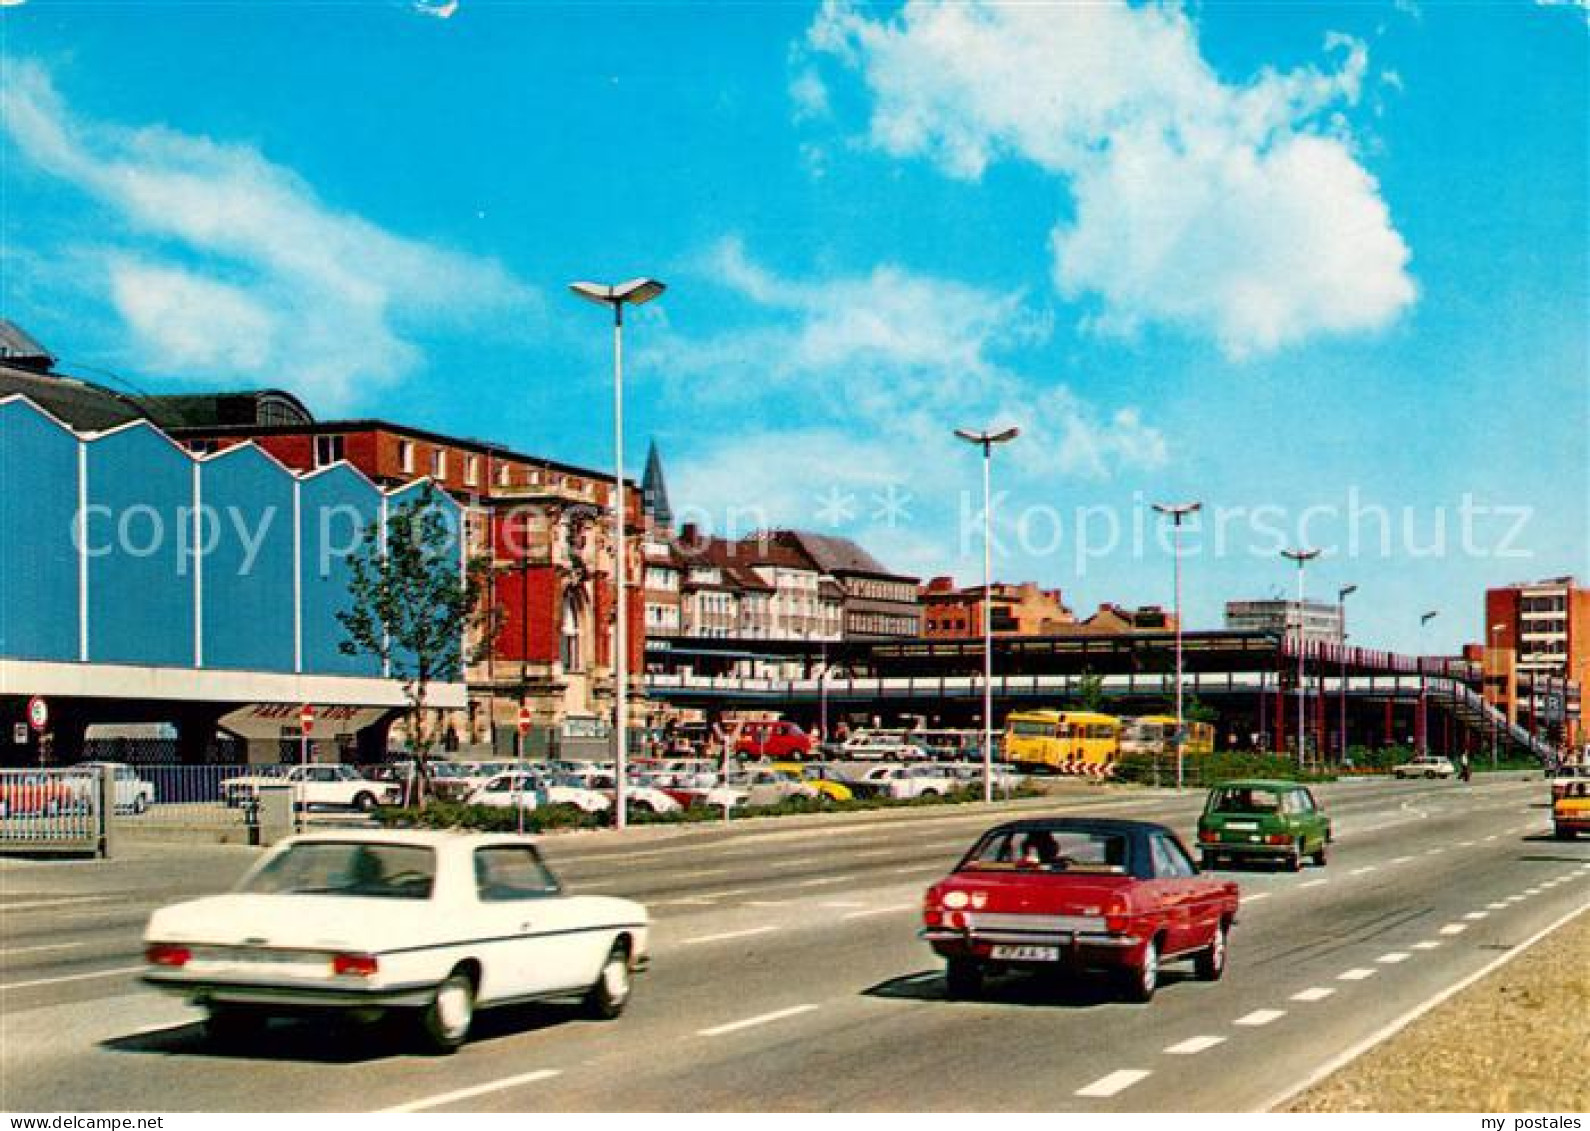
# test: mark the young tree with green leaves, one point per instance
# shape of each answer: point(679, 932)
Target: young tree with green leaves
point(1090, 691)
point(415, 609)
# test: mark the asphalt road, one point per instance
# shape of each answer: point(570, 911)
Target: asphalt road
point(787, 975)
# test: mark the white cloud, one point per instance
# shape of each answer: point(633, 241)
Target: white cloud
point(268, 281)
point(868, 375)
point(1240, 212)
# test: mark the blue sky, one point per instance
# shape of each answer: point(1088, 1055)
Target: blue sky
point(1273, 257)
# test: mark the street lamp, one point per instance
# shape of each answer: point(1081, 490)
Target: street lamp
point(1496, 675)
point(987, 440)
point(1302, 558)
point(1424, 684)
point(1177, 512)
point(617, 296)
point(1342, 594)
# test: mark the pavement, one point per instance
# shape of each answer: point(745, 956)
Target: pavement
point(787, 975)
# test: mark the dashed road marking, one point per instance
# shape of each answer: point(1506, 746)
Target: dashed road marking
point(917, 868)
point(1476, 916)
point(470, 1093)
point(1453, 929)
point(1313, 883)
point(1499, 906)
point(1313, 993)
point(726, 935)
point(70, 978)
point(1118, 1081)
point(1256, 896)
point(1401, 859)
point(1393, 958)
point(1260, 1017)
point(1361, 871)
point(821, 881)
point(1356, 974)
point(1194, 1045)
point(894, 909)
point(67, 901)
point(43, 946)
point(1427, 944)
point(762, 1019)
point(1434, 851)
point(1492, 837)
point(1465, 844)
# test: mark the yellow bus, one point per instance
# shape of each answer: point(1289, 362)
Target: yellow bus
point(1156, 734)
point(1061, 740)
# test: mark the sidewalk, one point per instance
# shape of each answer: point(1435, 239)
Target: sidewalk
point(1515, 1041)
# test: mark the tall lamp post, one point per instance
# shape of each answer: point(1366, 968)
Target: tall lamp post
point(1301, 557)
point(1342, 594)
point(1496, 725)
point(1424, 684)
point(617, 296)
point(1177, 512)
point(987, 440)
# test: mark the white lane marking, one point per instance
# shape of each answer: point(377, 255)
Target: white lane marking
point(1496, 906)
point(876, 852)
point(917, 868)
point(1490, 838)
point(1313, 993)
point(1347, 1056)
point(42, 946)
point(1435, 852)
point(706, 898)
point(1476, 916)
point(39, 904)
point(762, 1019)
point(1361, 871)
point(70, 978)
point(1356, 974)
point(696, 873)
point(821, 881)
point(803, 862)
point(470, 1093)
point(729, 935)
point(1256, 896)
point(1532, 891)
point(1401, 859)
point(895, 909)
point(1194, 1045)
point(1465, 844)
point(1454, 929)
point(842, 904)
point(1260, 1017)
point(1393, 958)
point(1313, 883)
point(1426, 944)
point(1515, 899)
point(1118, 1081)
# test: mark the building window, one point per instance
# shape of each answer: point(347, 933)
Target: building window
point(569, 638)
point(471, 470)
point(439, 464)
point(504, 474)
point(406, 456)
point(328, 450)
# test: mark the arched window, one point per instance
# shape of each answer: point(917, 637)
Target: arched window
point(569, 637)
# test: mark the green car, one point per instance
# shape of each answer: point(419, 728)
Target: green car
point(1276, 820)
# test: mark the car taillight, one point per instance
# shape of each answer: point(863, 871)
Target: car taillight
point(1278, 838)
point(166, 954)
point(1115, 924)
point(356, 965)
point(955, 921)
point(1208, 834)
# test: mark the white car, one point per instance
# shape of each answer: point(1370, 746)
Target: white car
point(133, 793)
point(317, 786)
point(1426, 766)
point(874, 749)
point(532, 790)
point(433, 923)
point(904, 783)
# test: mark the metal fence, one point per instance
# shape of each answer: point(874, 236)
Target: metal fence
point(53, 809)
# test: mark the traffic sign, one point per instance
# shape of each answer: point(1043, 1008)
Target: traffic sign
point(19, 734)
point(524, 720)
point(306, 718)
point(38, 713)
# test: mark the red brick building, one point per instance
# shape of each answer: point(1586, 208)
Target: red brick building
point(547, 527)
point(1537, 629)
point(949, 613)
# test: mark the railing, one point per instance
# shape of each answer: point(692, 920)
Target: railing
point(52, 809)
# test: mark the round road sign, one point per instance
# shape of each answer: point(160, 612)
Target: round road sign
point(306, 718)
point(38, 713)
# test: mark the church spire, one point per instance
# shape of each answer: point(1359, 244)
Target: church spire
point(654, 490)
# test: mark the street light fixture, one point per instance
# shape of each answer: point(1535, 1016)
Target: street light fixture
point(1302, 558)
point(617, 296)
point(1424, 683)
point(1177, 512)
point(987, 440)
point(1342, 594)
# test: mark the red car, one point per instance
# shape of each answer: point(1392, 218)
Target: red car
point(1122, 897)
point(775, 739)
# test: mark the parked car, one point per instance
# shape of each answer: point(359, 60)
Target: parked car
point(133, 793)
point(1121, 897)
point(36, 795)
point(904, 783)
point(1273, 820)
point(531, 790)
point(434, 924)
point(1426, 766)
point(880, 748)
point(1568, 775)
point(1570, 809)
point(820, 778)
point(317, 786)
point(778, 739)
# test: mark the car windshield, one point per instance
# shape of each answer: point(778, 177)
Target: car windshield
point(347, 868)
point(1245, 802)
point(1049, 850)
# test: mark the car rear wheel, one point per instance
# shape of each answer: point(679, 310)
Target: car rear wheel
point(1142, 980)
point(963, 978)
point(1211, 963)
point(1294, 859)
point(609, 994)
point(364, 802)
point(1320, 855)
point(445, 1022)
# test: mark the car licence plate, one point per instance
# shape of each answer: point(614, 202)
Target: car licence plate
point(1026, 953)
point(1242, 826)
